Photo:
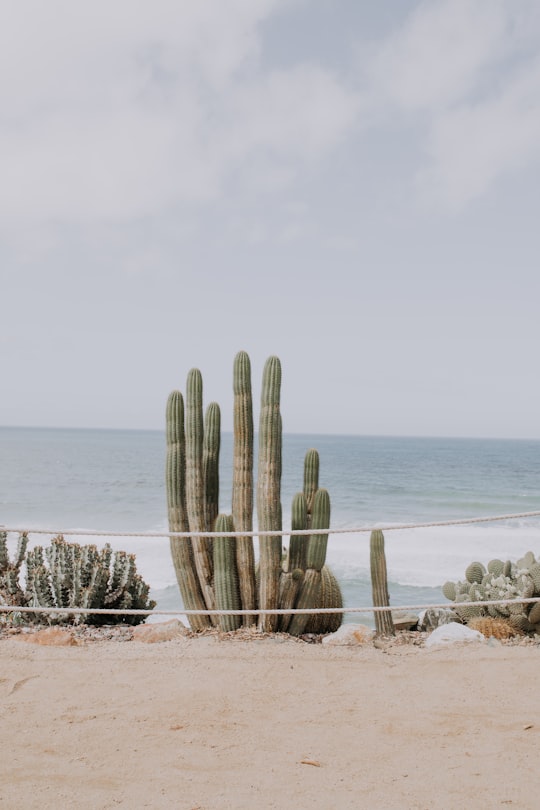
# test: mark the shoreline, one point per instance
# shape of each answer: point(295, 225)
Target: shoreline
point(244, 720)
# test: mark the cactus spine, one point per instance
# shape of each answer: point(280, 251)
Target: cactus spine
point(195, 490)
point(175, 478)
point(268, 492)
point(384, 624)
point(242, 489)
point(225, 574)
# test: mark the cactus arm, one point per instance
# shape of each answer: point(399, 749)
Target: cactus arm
point(310, 591)
point(291, 580)
point(242, 488)
point(195, 485)
point(211, 448)
point(311, 480)
point(225, 574)
point(181, 548)
point(384, 624)
point(268, 492)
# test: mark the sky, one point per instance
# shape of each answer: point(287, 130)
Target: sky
point(350, 185)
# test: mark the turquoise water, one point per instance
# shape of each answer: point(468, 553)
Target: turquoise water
point(113, 480)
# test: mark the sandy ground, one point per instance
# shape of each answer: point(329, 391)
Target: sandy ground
point(208, 723)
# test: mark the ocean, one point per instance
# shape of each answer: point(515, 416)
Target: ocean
point(68, 480)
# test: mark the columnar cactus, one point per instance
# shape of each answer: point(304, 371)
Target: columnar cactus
point(225, 574)
point(384, 624)
point(310, 590)
point(242, 485)
point(195, 485)
point(268, 492)
point(193, 505)
point(181, 549)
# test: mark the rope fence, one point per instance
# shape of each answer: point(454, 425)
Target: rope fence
point(362, 529)
point(262, 612)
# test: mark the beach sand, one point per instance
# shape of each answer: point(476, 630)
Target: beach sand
point(218, 722)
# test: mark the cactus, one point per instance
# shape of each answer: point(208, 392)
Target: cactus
point(225, 574)
point(504, 581)
point(475, 572)
point(242, 487)
point(211, 448)
point(268, 492)
point(195, 485)
point(181, 548)
point(192, 487)
point(292, 577)
point(11, 592)
point(69, 575)
point(311, 589)
point(384, 624)
point(331, 597)
point(311, 480)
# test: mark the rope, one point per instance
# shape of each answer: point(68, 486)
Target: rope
point(296, 532)
point(255, 612)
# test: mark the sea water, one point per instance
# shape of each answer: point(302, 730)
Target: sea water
point(68, 480)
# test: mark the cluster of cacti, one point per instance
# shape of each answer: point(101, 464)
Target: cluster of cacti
point(221, 573)
point(499, 580)
point(68, 575)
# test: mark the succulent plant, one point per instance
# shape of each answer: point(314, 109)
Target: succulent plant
point(68, 575)
point(193, 501)
point(384, 624)
point(499, 581)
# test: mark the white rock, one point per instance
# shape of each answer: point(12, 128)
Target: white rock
point(454, 633)
point(349, 634)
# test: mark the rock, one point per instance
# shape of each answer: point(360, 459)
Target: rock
point(404, 620)
point(160, 631)
point(435, 617)
point(454, 633)
point(50, 637)
point(349, 635)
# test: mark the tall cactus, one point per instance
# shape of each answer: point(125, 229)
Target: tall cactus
point(225, 574)
point(193, 496)
point(268, 492)
point(195, 487)
point(242, 486)
point(384, 624)
point(175, 477)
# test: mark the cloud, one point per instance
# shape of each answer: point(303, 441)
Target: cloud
point(113, 111)
point(466, 73)
point(473, 145)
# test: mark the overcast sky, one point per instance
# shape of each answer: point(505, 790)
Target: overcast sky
point(351, 185)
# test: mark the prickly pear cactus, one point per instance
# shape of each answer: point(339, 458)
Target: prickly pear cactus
point(499, 581)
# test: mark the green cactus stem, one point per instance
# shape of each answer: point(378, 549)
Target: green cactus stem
point(331, 597)
point(310, 592)
point(195, 494)
point(211, 448)
point(181, 549)
point(242, 487)
point(311, 479)
point(384, 624)
point(291, 579)
point(225, 574)
point(268, 492)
